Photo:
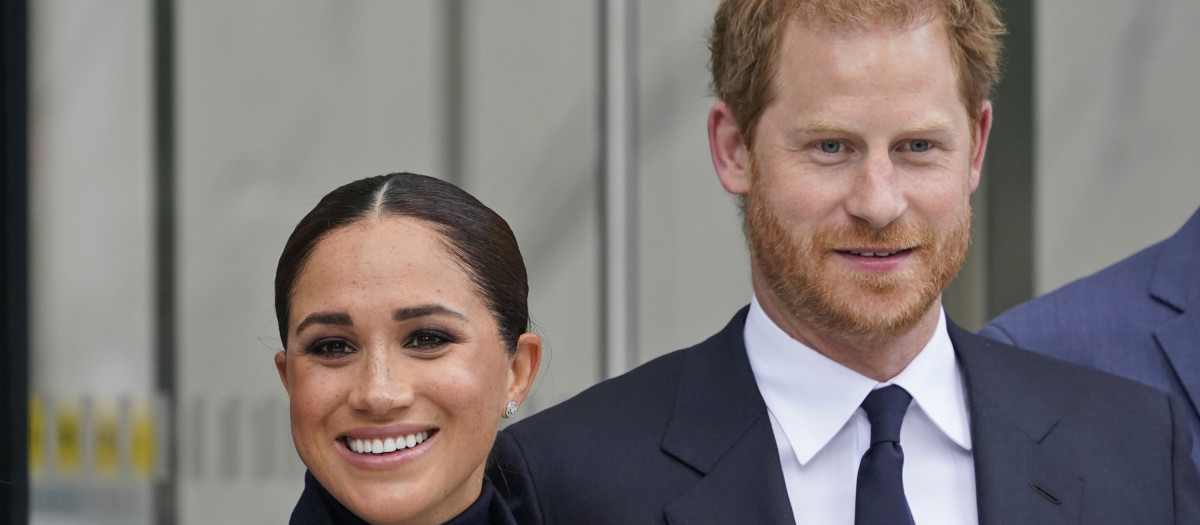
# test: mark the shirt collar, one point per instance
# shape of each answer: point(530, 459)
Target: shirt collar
point(812, 397)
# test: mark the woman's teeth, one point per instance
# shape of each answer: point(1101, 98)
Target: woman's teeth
point(384, 446)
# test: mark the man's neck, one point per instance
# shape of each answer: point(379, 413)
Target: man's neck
point(879, 360)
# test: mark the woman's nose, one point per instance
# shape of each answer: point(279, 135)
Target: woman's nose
point(383, 385)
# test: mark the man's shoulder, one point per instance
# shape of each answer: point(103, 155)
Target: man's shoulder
point(641, 400)
point(642, 391)
point(1096, 304)
point(1126, 278)
point(1127, 440)
point(1019, 371)
point(1114, 293)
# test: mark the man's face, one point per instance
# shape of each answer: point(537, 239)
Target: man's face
point(857, 208)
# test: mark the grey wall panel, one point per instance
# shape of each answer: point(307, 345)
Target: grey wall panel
point(531, 87)
point(279, 102)
point(90, 199)
point(90, 251)
point(694, 268)
point(1116, 155)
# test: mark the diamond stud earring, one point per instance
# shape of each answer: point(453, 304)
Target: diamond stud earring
point(510, 409)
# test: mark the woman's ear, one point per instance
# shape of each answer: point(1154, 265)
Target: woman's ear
point(523, 366)
point(281, 367)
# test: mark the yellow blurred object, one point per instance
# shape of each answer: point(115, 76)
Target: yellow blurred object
point(68, 438)
point(37, 437)
point(143, 445)
point(106, 441)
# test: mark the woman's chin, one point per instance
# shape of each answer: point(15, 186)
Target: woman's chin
point(404, 502)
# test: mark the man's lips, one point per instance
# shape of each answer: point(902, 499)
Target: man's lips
point(879, 253)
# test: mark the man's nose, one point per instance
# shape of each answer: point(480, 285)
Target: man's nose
point(876, 196)
point(383, 386)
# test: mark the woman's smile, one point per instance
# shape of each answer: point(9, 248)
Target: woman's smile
point(384, 446)
point(368, 450)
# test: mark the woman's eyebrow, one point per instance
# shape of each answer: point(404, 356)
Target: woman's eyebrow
point(413, 312)
point(333, 318)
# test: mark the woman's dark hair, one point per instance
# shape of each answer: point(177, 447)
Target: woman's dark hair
point(474, 235)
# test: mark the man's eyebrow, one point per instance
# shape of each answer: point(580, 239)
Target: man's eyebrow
point(830, 126)
point(332, 318)
point(931, 125)
point(413, 312)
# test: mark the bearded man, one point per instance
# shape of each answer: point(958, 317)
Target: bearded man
point(854, 133)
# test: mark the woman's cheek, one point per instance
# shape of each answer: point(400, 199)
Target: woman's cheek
point(475, 393)
point(315, 393)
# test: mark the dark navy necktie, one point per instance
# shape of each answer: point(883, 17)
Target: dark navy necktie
point(880, 498)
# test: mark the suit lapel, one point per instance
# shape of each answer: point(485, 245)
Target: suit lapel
point(720, 427)
point(1018, 478)
point(1180, 340)
point(1176, 283)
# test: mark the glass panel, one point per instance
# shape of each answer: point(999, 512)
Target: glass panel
point(94, 417)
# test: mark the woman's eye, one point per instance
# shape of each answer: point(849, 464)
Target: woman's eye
point(830, 146)
point(919, 146)
point(330, 349)
point(427, 340)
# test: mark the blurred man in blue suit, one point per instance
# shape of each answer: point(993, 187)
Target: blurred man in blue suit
point(1139, 318)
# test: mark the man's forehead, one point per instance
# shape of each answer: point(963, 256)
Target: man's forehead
point(850, 18)
point(810, 54)
point(864, 63)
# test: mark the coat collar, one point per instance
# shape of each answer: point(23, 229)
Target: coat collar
point(1018, 479)
point(720, 428)
point(1176, 283)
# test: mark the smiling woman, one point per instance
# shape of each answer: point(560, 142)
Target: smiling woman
point(401, 302)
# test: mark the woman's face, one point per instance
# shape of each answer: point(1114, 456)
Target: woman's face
point(396, 372)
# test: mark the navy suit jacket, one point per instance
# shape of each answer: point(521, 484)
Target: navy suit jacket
point(1139, 318)
point(686, 439)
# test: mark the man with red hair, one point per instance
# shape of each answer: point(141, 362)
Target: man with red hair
point(854, 133)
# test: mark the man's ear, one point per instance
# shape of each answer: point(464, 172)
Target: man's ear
point(730, 156)
point(981, 131)
point(281, 367)
point(523, 367)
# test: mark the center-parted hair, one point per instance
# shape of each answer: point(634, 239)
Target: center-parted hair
point(473, 234)
point(747, 35)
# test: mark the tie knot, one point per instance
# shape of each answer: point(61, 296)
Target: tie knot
point(885, 410)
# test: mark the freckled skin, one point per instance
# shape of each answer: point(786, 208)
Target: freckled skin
point(434, 371)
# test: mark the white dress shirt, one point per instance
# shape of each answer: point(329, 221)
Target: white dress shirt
point(822, 433)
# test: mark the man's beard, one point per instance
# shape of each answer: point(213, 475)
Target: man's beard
point(852, 307)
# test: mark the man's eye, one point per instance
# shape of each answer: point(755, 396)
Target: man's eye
point(428, 340)
point(830, 146)
point(331, 349)
point(919, 146)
